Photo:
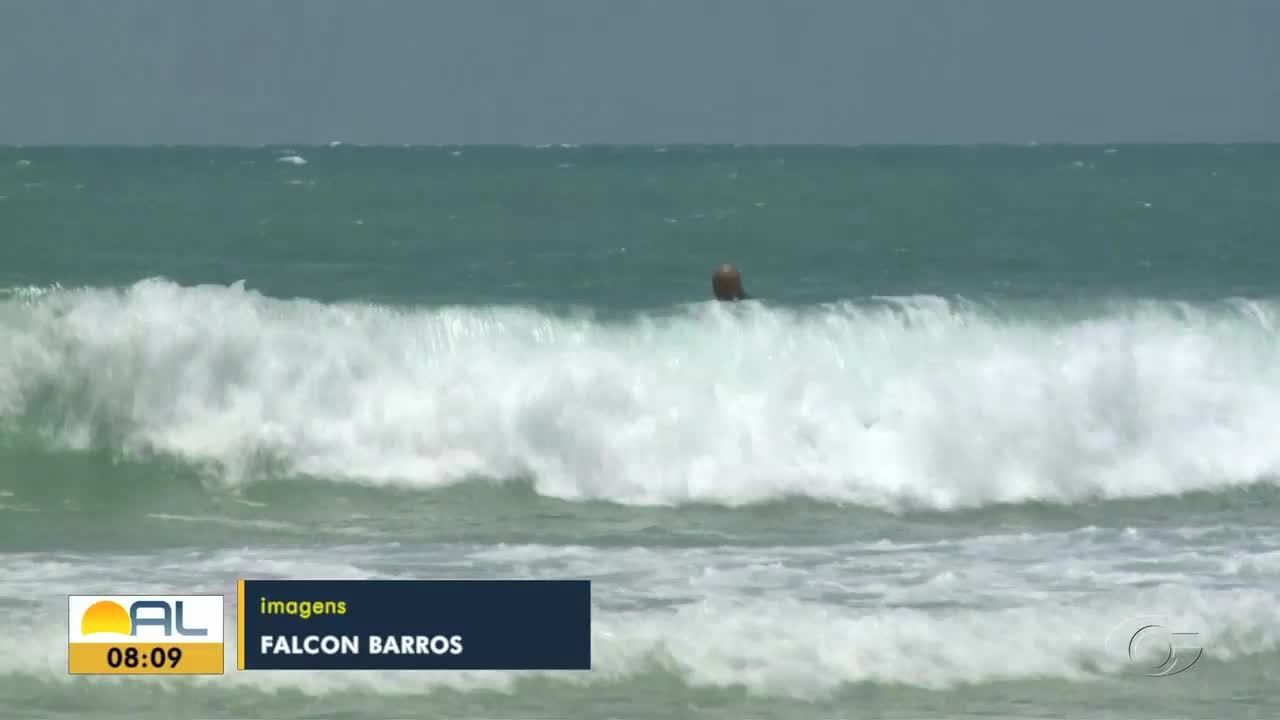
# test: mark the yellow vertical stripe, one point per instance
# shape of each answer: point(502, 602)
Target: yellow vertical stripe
point(240, 624)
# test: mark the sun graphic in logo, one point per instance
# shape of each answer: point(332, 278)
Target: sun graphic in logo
point(105, 616)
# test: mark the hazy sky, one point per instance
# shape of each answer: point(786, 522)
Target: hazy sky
point(638, 71)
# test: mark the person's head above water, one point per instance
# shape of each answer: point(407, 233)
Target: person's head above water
point(726, 283)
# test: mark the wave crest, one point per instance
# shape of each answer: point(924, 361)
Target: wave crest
point(908, 402)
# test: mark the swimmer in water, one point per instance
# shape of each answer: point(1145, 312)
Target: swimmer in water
point(726, 283)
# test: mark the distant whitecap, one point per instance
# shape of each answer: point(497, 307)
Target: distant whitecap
point(292, 160)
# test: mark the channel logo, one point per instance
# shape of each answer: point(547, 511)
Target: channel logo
point(145, 635)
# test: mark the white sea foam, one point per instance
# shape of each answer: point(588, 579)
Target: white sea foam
point(797, 621)
point(912, 402)
point(777, 648)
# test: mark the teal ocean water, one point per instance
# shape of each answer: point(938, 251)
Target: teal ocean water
point(992, 410)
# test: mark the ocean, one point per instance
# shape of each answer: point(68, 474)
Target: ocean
point(989, 411)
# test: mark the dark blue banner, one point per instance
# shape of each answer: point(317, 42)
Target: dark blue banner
point(414, 625)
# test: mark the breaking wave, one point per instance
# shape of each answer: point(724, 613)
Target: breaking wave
point(892, 403)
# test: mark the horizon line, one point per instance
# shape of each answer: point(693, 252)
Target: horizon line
point(637, 145)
